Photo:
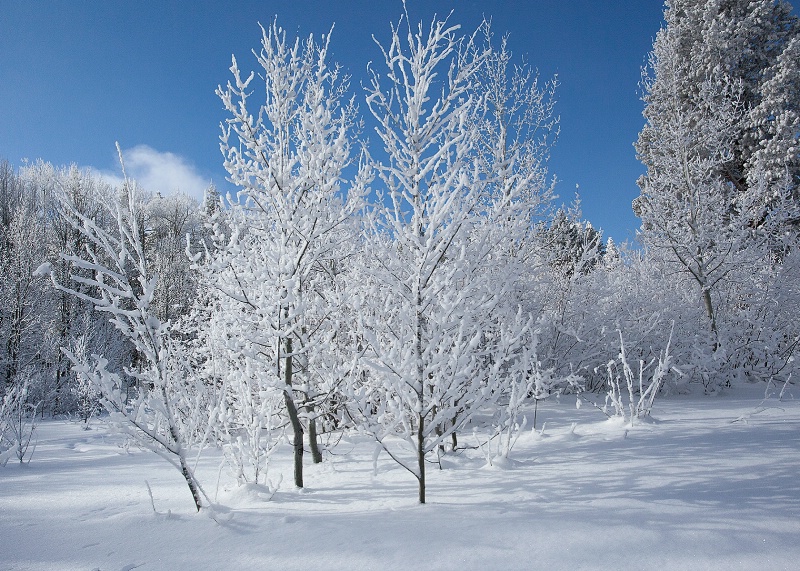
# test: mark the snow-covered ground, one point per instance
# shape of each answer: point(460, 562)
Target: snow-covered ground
point(712, 483)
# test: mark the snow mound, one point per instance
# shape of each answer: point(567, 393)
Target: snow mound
point(502, 463)
point(245, 495)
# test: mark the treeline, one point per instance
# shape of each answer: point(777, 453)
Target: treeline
point(36, 321)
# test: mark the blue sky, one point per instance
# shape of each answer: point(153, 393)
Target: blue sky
point(77, 76)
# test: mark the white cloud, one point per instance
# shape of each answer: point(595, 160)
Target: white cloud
point(110, 177)
point(155, 171)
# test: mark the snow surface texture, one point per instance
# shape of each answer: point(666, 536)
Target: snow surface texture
point(710, 484)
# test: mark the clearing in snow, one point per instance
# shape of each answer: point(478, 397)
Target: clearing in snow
point(709, 483)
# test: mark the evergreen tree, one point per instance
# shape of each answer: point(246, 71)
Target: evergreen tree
point(720, 144)
point(746, 52)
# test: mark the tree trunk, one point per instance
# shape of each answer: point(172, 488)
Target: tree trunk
point(316, 453)
point(187, 474)
point(294, 418)
point(707, 302)
point(62, 362)
point(178, 451)
point(13, 343)
point(438, 429)
point(421, 458)
point(420, 394)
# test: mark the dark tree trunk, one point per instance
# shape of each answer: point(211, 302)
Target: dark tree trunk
point(421, 458)
point(709, 306)
point(438, 429)
point(190, 482)
point(177, 449)
point(13, 346)
point(294, 418)
point(313, 443)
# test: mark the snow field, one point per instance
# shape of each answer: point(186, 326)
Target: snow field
point(711, 483)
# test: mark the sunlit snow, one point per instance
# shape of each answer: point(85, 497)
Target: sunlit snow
point(710, 483)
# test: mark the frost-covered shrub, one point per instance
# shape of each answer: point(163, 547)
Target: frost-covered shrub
point(762, 322)
point(628, 291)
point(85, 393)
point(17, 423)
point(631, 393)
point(524, 380)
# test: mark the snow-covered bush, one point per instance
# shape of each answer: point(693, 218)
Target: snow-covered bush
point(523, 380)
point(17, 422)
point(631, 393)
point(84, 392)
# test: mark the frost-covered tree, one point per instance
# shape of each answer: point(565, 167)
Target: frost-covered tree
point(688, 209)
point(708, 204)
point(774, 136)
point(170, 220)
point(745, 45)
point(569, 250)
point(67, 318)
point(517, 127)
point(22, 234)
point(167, 414)
point(570, 245)
point(440, 335)
point(17, 422)
point(47, 319)
point(275, 302)
point(70, 313)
